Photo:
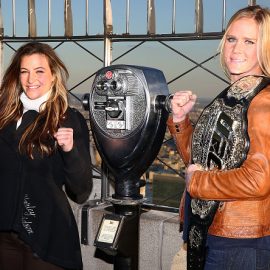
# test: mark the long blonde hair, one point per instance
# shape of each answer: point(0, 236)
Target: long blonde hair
point(51, 115)
point(262, 17)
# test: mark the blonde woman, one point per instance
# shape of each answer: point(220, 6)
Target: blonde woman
point(227, 154)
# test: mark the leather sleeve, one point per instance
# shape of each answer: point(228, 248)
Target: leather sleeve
point(251, 181)
point(181, 133)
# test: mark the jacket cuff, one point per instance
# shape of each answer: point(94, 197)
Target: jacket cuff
point(72, 160)
point(175, 128)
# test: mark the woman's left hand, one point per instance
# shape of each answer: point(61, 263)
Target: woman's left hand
point(64, 138)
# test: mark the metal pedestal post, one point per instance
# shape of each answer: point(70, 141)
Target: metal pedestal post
point(127, 256)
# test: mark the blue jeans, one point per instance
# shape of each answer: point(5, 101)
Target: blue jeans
point(237, 258)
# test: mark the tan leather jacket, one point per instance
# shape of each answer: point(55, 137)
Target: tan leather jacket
point(244, 191)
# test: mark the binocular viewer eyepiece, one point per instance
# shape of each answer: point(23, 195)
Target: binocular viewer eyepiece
point(128, 108)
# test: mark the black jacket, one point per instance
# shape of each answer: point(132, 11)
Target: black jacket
point(33, 202)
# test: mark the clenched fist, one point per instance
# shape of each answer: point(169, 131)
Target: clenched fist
point(181, 104)
point(64, 138)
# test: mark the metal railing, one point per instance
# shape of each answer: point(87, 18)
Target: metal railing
point(22, 21)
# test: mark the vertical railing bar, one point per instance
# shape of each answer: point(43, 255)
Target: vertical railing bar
point(108, 30)
point(199, 16)
point(127, 16)
point(87, 17)
point(32, 24)
point(151, 17)
point(68, 18)
point(13, 19)
point(223, 16)
point(173, 16)
point(252, 2)
point(49, 18)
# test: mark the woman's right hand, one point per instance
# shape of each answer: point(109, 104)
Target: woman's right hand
point(181, 104)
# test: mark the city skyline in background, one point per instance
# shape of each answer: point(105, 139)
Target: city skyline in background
point(82, 65)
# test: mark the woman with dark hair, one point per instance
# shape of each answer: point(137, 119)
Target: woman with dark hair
point(227, 154)
point(44, 153)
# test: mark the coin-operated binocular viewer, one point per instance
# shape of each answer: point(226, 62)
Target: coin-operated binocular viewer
point(128, 115)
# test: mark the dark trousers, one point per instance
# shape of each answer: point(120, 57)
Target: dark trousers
point(237, 258)
point(16, 255)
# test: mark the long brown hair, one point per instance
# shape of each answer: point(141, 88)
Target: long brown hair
point(262, 17)
point(38, 134)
